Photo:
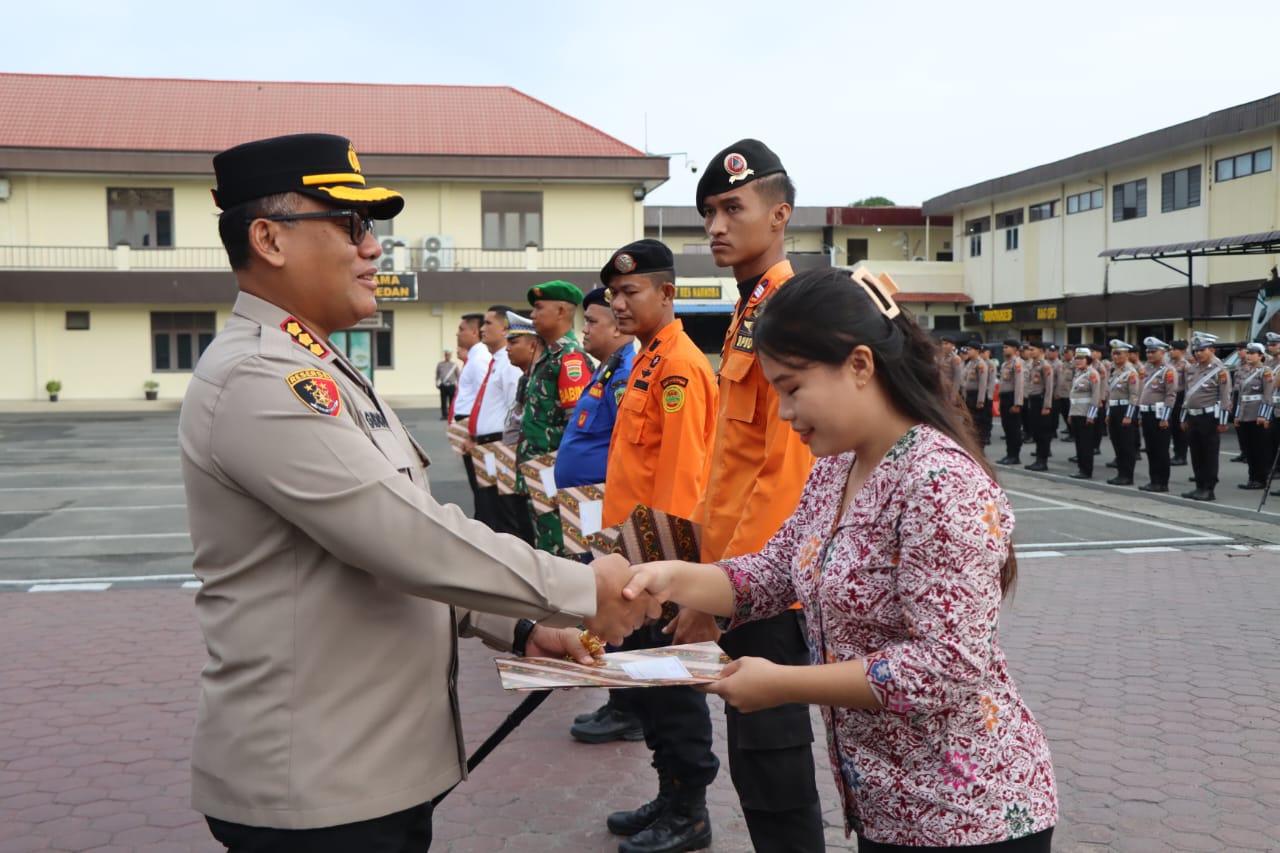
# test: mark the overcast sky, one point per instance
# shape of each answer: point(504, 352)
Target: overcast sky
point(907, 100)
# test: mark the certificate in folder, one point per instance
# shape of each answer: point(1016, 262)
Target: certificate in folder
point(693, 663)
point(505, 459)
point(486, 463)
point(580, 511)
point(650, 534)
point(540, 480)
point(458, 436)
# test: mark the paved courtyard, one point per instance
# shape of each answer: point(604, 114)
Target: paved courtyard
point(1155, 676)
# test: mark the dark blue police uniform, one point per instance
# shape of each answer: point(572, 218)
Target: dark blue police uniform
point(584, 449)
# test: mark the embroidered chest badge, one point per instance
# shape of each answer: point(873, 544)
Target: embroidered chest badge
point(317, 390)
point(302, 337)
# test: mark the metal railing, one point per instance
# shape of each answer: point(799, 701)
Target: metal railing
point(204, 258)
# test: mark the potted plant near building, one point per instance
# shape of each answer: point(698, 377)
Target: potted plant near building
point(151, 387)
point(53, 386)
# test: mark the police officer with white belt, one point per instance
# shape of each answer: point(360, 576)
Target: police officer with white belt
point(1122, 409)
point(1155, 407)
point(1253, 414)
point(1086, 396)
point(1205, 413)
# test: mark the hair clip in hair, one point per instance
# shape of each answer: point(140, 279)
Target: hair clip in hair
point(880, 288)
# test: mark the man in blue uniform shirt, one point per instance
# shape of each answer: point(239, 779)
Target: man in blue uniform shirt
point(585, 446)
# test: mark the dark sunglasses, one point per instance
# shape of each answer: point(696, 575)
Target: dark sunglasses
point(358, 224)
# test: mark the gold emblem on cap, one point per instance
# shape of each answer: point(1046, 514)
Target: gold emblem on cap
point(736, 165)
point(352, 158)
point(624, 263)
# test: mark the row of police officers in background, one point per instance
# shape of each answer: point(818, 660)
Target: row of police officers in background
point(1168, 404)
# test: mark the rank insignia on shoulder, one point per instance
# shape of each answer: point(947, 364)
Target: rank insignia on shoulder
point(302, 337)
point(317, 390)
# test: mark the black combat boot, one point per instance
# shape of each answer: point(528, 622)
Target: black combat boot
point(629, 823)
point(684, 826)
point(613, 724)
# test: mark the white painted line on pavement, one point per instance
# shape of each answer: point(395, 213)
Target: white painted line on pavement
point(1198, 534)
point(1239, 548)
point(1159, 549)
point(29, 540)
point(121, 579)
point(50, 511)
point(1025, 510)
point(98, 468)
point(69, 587)
point(1088, 543)
point(1031, 555)
point(88, 488)
point(192, 585)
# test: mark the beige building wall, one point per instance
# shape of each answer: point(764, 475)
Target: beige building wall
point(1245, 205)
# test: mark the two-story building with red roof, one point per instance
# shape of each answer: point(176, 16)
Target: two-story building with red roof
point(111, 273)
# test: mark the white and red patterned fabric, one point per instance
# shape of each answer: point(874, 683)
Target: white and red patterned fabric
point(909, 581)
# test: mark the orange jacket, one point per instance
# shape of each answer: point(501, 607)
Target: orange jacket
point(663, 432)
point(758, 466)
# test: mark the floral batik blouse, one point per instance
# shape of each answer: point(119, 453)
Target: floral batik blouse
point(909, 581)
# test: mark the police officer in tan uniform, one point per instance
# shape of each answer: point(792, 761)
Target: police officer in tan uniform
point(1012, 393)
point(975, 390)
point(1159, 392)
point(1087, 396)
point(1039, 403)
point(334, 585)
point(1253, 414)
point(1205, 413)
point(1122, 412)
point(1178, 361)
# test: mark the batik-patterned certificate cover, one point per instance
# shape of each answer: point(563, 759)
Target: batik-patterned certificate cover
point(458, 436)
point(505, 458)
point(703, 661)
point(650, 534)
point(540, 480)
point(486, 463)
point(580, 509)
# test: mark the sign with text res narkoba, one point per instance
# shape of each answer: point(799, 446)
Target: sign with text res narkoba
point(396, 286)
point(698, 291)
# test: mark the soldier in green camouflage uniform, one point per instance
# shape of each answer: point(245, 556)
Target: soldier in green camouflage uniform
point(558, 379)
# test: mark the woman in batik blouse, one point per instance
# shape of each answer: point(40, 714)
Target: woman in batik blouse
point(900, 553)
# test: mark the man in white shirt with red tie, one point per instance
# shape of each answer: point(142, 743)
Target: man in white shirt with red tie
point(494, 399)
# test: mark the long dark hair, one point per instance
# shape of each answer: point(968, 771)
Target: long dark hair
point(821, 315)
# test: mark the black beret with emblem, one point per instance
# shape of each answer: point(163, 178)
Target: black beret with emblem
point(319, 165)
point(741, 163)
point(596, 296)
point(642, 256)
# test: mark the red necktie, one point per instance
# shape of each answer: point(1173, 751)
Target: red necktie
point(475, 410)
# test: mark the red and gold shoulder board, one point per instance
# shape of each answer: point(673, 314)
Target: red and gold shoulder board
point(317, 390)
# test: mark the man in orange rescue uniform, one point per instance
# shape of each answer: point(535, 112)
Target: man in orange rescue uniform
point(656, 458)
point(755, 474)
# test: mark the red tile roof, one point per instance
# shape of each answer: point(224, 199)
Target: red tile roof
point(131, 114)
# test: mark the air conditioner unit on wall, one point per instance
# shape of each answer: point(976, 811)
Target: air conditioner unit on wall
point(437, 253)
point(392, 256)
point(925, 321)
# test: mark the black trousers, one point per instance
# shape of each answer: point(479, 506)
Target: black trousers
point(1062, 409)
point(408, 831)
point(1204, 442)
point(1257, 449)
point(447, 393)
point(504, 513)
point(1041, 842)
point(676, 720)
point(1157, 441)
point(1123, 441)
point(1179, 438)
point(771, 751)
point(1042, 426)
point(1011, 423)
point(1083, 432)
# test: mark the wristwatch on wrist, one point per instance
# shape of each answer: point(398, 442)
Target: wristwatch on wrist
point(520, 640)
